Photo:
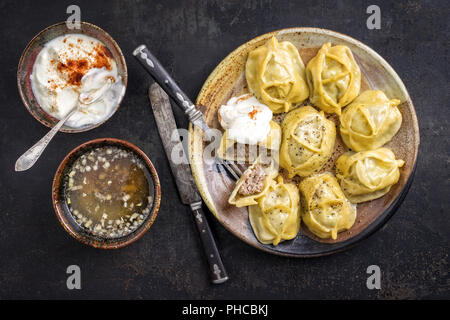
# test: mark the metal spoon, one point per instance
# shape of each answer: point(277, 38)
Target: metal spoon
point(29, 158)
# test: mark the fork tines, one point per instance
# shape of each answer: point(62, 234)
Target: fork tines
point(229, 167)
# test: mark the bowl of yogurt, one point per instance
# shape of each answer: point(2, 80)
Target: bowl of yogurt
point(60, 65)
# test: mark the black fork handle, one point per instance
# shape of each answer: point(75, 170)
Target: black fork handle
point(162, 77)
point(216, 267)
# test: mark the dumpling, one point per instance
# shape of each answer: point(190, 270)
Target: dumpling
point(253, 183)
point(248, 127)
point(230, 149)
point(275, 74)
point(367, 175)
point(326, 210)
point(307, 142)
point(370, 121)
point(333, 77)
point(276, 217)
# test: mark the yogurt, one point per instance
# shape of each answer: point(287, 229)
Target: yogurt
point(246, 120)
point(74, 65)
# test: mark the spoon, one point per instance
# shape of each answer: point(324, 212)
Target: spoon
point(29, 158)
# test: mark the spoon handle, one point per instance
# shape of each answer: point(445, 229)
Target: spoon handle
point(28, 159)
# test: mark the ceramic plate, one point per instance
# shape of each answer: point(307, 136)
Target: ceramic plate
point(228, 80)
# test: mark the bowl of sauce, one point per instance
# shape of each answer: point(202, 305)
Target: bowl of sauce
point(59, 66)
point(106, 193)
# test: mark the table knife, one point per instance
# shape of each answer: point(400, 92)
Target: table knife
point(181, 171)
point(161, 76)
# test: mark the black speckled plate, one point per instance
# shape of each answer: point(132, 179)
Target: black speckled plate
point(228, 80)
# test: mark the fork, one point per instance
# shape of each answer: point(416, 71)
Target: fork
point(231, 167)
point(158, 72)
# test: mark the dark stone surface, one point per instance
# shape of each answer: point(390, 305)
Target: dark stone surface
point(190, 38)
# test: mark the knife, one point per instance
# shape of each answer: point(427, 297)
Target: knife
point(181, 171)
point(161, 76)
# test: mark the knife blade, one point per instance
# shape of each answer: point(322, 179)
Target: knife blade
point(181, 171)
point(168, 132)
point(161, 76)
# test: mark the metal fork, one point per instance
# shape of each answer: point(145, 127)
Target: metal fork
point(225, 166)
point(157, 71)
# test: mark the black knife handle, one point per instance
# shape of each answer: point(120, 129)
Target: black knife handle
point(162, 77)
point(217, 270)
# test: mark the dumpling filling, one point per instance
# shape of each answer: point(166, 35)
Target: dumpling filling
point(253, 181)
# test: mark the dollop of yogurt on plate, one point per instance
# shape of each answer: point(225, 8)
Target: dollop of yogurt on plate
point(246, 120)
point(73, 65)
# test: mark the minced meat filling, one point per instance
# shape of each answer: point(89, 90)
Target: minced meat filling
point(253, 181)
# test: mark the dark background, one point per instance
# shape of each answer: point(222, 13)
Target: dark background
point(190, 38)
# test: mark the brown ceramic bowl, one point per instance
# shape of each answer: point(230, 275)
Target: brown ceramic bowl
point(65, 217)
point(31, 52)
point(228, 80)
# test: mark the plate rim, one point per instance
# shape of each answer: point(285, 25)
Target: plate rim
point(195, 134)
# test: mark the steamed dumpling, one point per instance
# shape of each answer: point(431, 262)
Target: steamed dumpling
point(275, 74)
point(326, 210)
point(333, 77)
point(230, 149)
point(367, 175)
point(276, 217)
point(307, 142)
point(370, 121)
point(253, 183)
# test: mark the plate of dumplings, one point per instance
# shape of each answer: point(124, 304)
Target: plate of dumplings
point(324, 132)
